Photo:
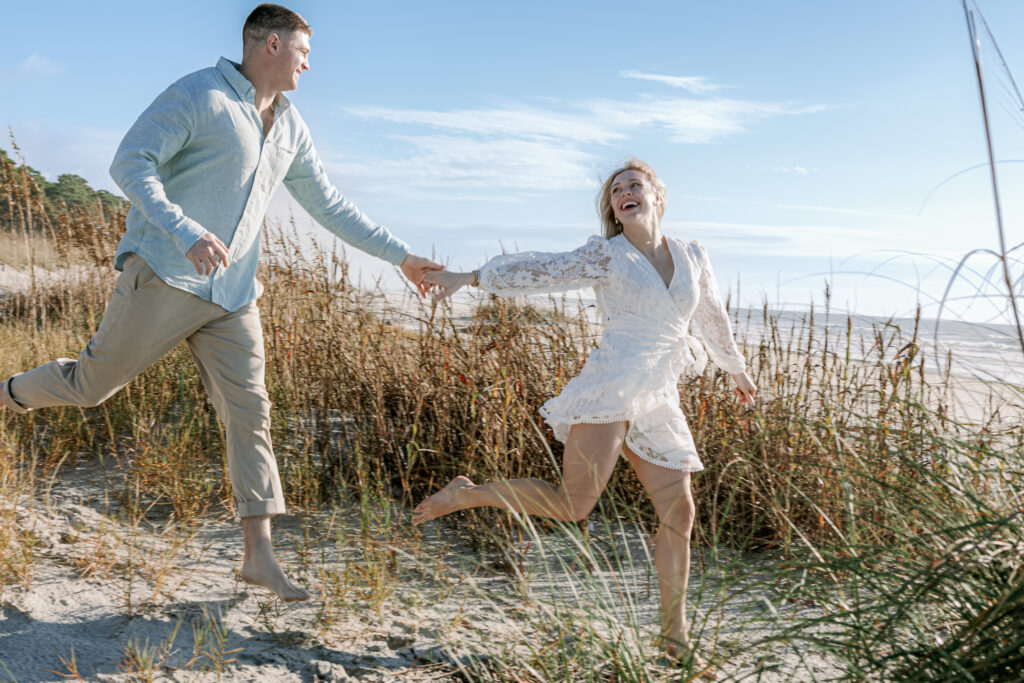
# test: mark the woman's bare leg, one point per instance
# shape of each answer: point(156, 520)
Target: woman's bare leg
point(591, 452)
point(673, 502)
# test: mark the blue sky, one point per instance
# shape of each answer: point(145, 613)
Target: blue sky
point(798, 139)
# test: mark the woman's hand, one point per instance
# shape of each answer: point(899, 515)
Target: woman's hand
point(746, 390)
point(415, 268)
point(447, 282)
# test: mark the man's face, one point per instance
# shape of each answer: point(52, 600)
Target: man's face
point(291, 60)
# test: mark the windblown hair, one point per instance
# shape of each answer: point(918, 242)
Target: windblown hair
point(611, 227)
point(268, 18)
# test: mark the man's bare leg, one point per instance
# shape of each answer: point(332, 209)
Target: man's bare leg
point(591, 452)
point(260, 567)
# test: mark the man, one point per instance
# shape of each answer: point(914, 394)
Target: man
point(199, 166)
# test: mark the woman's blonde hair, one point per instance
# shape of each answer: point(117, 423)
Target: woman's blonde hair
point(604, 199)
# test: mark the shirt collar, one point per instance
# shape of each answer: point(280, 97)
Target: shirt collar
point(232, 71)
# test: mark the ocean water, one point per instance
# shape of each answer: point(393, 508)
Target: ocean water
point(989, 352)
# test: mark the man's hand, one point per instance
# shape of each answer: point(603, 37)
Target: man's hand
point(206, 253)
point(415, 268)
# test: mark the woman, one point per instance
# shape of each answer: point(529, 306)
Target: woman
point(625, 399)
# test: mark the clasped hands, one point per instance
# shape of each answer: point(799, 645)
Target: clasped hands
point(447, 282)
point(209, 251)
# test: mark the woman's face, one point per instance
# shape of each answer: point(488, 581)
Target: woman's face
point(633, 198)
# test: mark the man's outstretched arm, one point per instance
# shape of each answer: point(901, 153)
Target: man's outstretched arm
point(308, 183)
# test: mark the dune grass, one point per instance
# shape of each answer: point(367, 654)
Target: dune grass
point(888, 534)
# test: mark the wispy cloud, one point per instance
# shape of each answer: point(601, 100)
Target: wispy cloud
point(781, 239)
point(33, 66)
point(36, 65)
point(39, 66)
point(698, 85)
point(796, 170)
point(597, 121)
point(55, 147)
point(449, 162)
point(690, 121)
point(531, 147)
point(510, 121)
point(845, 211)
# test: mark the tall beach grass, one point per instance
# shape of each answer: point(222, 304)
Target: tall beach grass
point(888, 528)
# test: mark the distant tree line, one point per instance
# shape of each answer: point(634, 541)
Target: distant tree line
point(70, 191)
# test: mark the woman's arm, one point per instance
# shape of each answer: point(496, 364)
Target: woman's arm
point(713, 321)
point(533, 272)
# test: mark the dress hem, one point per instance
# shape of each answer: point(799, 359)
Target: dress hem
point(556, 422)
point(681, 468)
point(551, 418)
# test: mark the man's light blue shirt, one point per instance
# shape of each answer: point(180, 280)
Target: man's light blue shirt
point(196, 161)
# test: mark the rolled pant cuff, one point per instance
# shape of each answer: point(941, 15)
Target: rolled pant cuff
point(9, 400)
point(257, 508)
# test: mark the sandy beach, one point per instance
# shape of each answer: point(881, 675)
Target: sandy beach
point(108, 592)
point(741, 295)
point(417, 606)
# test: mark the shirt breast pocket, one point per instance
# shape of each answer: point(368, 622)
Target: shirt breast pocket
point(281, 157)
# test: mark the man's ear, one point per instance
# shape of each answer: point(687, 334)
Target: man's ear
point(273, 43)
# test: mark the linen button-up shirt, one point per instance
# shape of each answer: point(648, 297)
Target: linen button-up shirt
point(196, 160)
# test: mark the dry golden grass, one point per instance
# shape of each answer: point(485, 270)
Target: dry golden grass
point(18, 252)
point(853, 470)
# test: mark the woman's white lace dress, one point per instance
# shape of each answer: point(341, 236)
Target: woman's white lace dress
point(646, 344)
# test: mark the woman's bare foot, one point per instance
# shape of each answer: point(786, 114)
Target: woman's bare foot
point(263, 570)
point(445, 501)
point(681, 654)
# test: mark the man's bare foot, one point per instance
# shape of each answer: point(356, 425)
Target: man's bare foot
point(445, 501)
point(263, 570)
point(260, 567)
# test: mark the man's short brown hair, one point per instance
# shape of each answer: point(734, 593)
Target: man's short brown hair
point(269, 18)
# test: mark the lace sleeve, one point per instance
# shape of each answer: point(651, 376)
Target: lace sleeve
point(712, 319)
point(536, 272)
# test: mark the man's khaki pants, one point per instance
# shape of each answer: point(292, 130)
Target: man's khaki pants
point(144, 320)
